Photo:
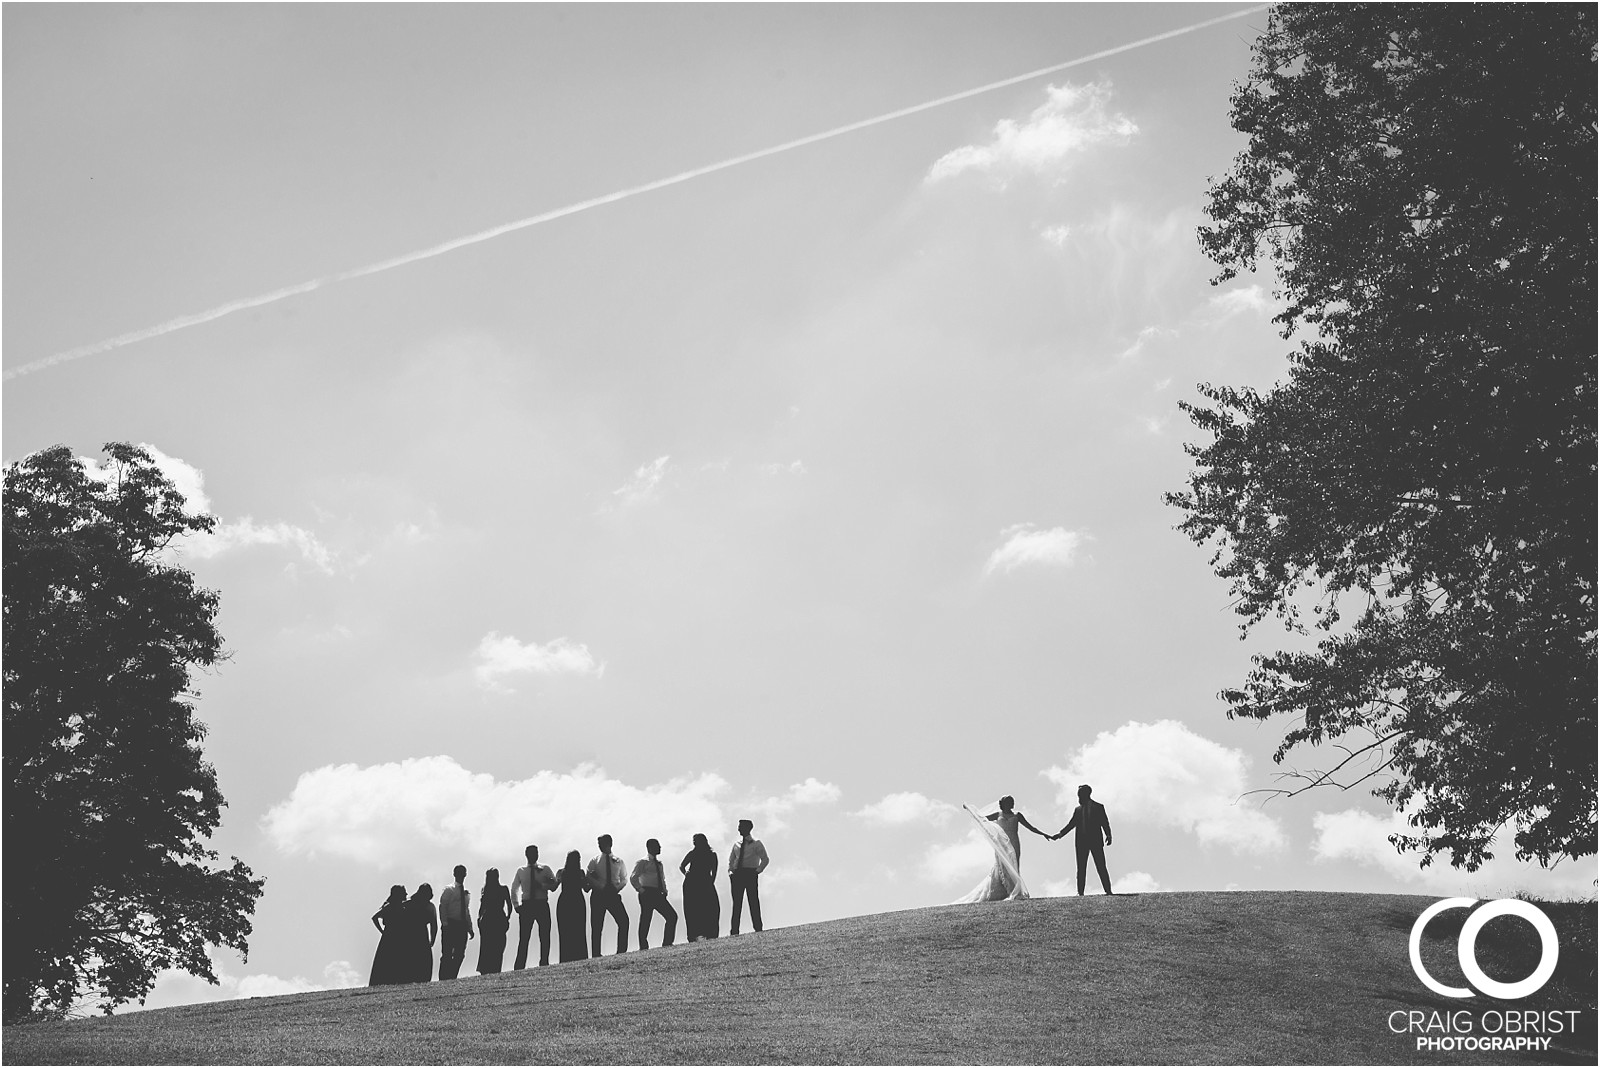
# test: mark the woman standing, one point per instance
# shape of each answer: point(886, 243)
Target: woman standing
point(388, 963)
point(1004, 881)
point(423, 920)
point(702, 909)
point(494, 920)
point(572, 914)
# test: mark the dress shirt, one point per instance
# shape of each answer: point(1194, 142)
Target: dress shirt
point(453, 905)
point(755, 855)
point(597, 872)
point(648, 875)
point(531, 885)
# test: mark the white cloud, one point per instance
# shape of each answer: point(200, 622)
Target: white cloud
point(902, 809)
point(1056, 235)
point(500, 655)
point(950, 862)
point(644, 486)
point(796, 468)
point(1165, 774)
point(1226, 305)
point(178, 987)
point(1026, 545)
point(392, 815)
point(1154, 424)
point(773, 810)
point(246, 532)
point(1362, 837)
point(1162, 384)
point(1073, 118)
point(1135, 882)
point(1147, 335)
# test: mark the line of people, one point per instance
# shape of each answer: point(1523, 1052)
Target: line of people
point(409, 927)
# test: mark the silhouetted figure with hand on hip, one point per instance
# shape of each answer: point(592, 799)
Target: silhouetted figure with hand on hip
point(650, 880)
point(746, 861)
point(702, 909)
point(389, 962)
point(1094, 834)
point(571, 915)
point(530, 896)
point(608, 876)
point(455, 923)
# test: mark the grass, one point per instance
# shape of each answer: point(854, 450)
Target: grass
point(1248, 978)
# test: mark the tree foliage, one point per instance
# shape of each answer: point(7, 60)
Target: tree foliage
point(107, 796)
point(1422, 179)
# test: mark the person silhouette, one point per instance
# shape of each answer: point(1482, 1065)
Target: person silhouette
point(650, 880)
point(746, 861)
point(455, 924)
point(1094, 834)
point(608, 876)
point(389, 962)
point(702, 909)
point(530, 896)
point(571, 914)
point(422, 922)
point(494, 921)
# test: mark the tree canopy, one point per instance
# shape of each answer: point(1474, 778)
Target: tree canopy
point(1421, 487)
point(108, 799)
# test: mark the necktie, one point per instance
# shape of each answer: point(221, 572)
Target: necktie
point(661, 878)
point(608, 871)
point(740, 863)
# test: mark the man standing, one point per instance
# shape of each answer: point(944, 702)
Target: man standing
point(455, 925)
point(650, 880)
point(608, 877)
point(530, 896)
point(746, 861)
point(1094, 834)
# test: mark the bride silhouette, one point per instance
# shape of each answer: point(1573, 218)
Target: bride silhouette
point(1004, 881)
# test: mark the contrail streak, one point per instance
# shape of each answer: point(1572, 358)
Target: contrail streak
point(440, 249)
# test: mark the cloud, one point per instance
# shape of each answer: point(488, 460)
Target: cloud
point(499, 656)
point(1135, 882)
point(392, 815)
point(178, 987)
point(796, 468)
point(950, 862)
point(1154, 424)
point(1226, 305)
point(1167, 775)
point(246, 532)
point(1147, 335)
point(773, 810)
point(644, 486)
point(1072, 119)
point(903, 809)
point(1363, 838)
point(1027, 545)
point(1056, 235)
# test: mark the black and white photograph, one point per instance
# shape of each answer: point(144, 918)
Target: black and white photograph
point(799, 533)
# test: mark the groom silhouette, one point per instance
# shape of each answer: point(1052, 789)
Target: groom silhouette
point(1090, 820)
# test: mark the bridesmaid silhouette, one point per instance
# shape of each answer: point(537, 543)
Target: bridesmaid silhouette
point(702, 909)
point(494, 920)
point(389, 962)
point(572, 914)
point(423, 922)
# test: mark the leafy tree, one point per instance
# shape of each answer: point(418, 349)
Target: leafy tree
point(107, 796)
point(1422, 178)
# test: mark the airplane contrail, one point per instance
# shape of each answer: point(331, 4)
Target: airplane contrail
point(183, 321)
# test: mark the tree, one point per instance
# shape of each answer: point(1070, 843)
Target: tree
point(107, 796)
point(1422, 178)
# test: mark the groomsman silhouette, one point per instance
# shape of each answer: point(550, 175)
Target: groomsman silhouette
point(650, 880)
point(530, 896)
point(1090, 820)
point(608, 876)
point(746, 861)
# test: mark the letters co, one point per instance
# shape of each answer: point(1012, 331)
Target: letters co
point(1467, 948)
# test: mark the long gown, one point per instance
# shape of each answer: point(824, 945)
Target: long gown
point(1004, 881)
point(419, 952)
point(572, 918)
point(702, 908)
point(492, 927)
point(389, 962)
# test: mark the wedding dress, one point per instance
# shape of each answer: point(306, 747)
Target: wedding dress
point(1004, 881)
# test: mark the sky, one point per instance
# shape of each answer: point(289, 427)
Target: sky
point(823, 490)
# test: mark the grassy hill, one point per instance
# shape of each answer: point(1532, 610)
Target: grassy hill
point(1268, 977)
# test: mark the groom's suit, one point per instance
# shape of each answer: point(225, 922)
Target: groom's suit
point(1093, 829)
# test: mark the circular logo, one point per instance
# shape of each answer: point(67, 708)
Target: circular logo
point(1467, 948)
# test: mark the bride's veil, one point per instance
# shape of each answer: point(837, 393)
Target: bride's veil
point(1004, 881)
